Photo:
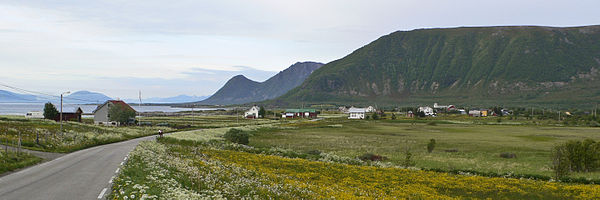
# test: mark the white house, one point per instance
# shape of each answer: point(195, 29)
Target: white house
point(474, 113)
point(443, 107)
point(102, 115)
point(370, 109)
point(35, 115)
point(427, 110)
point(252, 113)
point(357, 113)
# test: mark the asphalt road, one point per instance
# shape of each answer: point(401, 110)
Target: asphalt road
point(79, 175)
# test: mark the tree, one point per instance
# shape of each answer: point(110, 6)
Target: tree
point(261, 112)
point(431, 145)
point(120, 113)
point(420, 114)
point(50, 111)
point(375, 116)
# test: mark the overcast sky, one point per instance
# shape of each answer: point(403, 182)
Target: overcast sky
point(167, 48)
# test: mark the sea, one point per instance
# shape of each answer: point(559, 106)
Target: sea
point(23, 108)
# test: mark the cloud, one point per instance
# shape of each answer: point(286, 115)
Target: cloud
point(170, 45)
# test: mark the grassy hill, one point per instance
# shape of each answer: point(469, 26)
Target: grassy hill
point(471, 66)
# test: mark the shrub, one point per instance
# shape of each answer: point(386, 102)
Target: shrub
point(432, 123)
point(560, 162)
point(375, 116)
point(314, 152)
point(508, 155)
point(576, 156)
point(372, 157)
point(237, 136)
point(431, 145)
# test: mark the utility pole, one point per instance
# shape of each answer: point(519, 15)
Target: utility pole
point(558, 115)
point(531, 112)
point(61, 109)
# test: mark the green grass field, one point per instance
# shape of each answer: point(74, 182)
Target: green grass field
point(11, 160)
point(478, 146)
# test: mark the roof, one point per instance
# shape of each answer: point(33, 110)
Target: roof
point(78, 110)
point(355, 110)
point(299, 110)
point(115, 102)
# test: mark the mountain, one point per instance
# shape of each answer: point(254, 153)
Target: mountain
point(239, 89)
point(11, 97)
point(467, 66)
point(86, 97)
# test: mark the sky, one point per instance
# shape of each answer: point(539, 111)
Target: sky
point(168, 48)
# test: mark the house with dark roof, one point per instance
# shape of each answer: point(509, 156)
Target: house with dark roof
point(70, 116)
point(102, 115)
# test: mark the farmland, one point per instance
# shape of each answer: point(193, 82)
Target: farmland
point(176, 169)
point(460, 145)
point(319, 159)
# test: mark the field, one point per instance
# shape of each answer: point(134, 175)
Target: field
point(460, 145)
point(45, 135)
point(176, 169)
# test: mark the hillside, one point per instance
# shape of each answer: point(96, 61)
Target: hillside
point(11, 97)
point(239, 89)
point(469, 66)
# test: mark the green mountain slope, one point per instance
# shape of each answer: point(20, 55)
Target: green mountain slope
point(239, 89)
point(472, 66)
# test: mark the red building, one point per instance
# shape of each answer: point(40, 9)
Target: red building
point(70, 116)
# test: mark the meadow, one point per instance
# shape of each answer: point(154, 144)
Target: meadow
point(461, 145)
point(45, 135)
point(177, 169)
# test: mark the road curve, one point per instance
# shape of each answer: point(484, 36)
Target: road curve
point(82, 174)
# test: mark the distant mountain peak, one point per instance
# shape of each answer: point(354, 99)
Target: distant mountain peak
point(240, 89)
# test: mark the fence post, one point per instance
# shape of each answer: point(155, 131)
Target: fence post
point(6, 146)
point(19, 144)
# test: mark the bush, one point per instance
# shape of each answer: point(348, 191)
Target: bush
point(375, 116)
point(431, 145)
point(560, 162)
point(237, 136)
point(432, 123)
point(576, 156)
point(372, 157)
point(508, 155)
point(314, 152)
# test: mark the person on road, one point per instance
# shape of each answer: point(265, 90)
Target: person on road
point(160, 133)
